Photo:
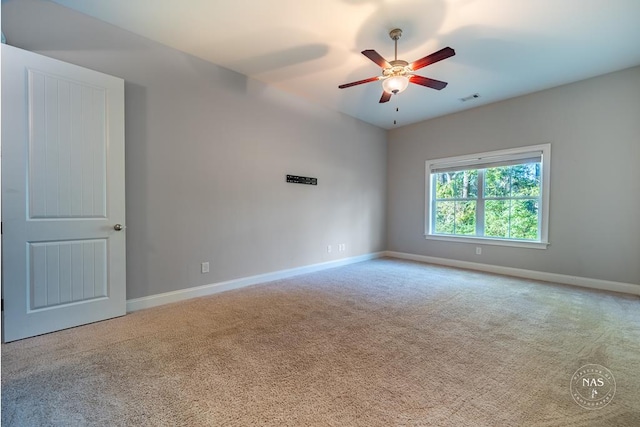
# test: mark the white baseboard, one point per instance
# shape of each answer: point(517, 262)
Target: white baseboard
point(585, 282)
point(214, 288)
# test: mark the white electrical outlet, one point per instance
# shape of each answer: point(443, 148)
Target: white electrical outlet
point(204, 267)
point(478, 250)
point(342, 247)
point(328, 249)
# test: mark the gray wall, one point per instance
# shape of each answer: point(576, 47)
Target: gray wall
point(207, 151)
point(594, 130)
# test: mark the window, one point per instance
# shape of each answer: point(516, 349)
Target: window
point(501, 197)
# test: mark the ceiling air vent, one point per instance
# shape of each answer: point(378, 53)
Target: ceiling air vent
point(470, 97)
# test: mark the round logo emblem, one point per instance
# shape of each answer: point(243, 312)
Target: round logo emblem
point(593, 386)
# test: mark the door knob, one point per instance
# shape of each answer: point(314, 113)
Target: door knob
point(119, 227)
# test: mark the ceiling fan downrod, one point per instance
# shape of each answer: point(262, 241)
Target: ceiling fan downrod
point(395, 34)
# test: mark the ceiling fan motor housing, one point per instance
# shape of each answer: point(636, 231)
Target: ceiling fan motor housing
point(398, 68)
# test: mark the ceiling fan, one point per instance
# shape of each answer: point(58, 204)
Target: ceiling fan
point(397, 74)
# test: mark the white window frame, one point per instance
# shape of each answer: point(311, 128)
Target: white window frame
point(480, 161)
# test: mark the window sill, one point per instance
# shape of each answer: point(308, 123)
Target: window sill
point(488, 241)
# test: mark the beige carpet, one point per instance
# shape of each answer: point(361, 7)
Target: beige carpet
point(379, 343)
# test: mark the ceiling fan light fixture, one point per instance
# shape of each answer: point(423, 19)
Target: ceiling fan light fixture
point(395, 84)
point(397, 74)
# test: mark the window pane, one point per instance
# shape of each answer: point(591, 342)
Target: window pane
point(456, 218)
point(524, 219)
point(511, 219)
point(444, 186)
point(460, 184)
point(525, 180)
point(465, 218)
point(445, 217)
point(497, 182)
point(496, 218)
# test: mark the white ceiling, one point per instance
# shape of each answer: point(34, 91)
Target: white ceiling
point(504, 48)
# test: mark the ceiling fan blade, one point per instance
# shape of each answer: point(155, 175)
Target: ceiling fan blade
point(433, 58)
point(359, 82)
point(425, 81)
point(376, 57)
point(386, 96)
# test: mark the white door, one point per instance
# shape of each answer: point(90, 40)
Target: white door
point(62, 195)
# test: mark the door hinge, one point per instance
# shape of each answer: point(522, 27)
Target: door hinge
point(2, 305)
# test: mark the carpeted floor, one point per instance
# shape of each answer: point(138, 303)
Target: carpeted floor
point(378, 343)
